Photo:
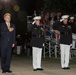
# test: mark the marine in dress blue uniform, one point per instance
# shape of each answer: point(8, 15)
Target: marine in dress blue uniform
point(37, 43)
point(64, 29)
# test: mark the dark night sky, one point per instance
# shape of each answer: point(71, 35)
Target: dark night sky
point(27, 5)
point(30, 5)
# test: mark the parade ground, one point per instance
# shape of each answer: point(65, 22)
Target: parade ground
point(22, 65)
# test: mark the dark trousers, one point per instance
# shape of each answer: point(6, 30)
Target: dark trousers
point(6, 51)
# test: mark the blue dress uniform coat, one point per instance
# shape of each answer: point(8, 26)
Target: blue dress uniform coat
point(37, 36)
point(7, 39)
point(65, 33)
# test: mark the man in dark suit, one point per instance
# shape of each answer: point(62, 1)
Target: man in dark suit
point(7, 31)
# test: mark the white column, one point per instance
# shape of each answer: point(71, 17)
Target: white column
point(73, 42)
point(18, 49)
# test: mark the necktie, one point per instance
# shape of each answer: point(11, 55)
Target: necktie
point(8, 26)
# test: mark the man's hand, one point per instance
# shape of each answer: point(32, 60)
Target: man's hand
point(13, 45)
point(69, 27)
point(11, 29)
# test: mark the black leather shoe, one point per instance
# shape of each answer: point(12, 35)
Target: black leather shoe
point(40, 69)
point(63, 68)
point(67, 68)
point(9, 71)
point(3, 71)
point(34, 69)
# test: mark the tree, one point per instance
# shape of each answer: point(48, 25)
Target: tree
point(67, 6)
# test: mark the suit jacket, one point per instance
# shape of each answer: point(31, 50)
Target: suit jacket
point(7, 36)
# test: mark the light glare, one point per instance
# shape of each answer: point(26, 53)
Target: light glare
point(5, 0)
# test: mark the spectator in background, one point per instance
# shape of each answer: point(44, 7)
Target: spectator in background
point(42, 14)
point(35, 13)
point(45, 21)
point(58, 16)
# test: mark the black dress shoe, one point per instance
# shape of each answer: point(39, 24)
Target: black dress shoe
point(40, 69)
point(67, 68)
point(9, 71)
point(63, 68)
point(3, 71)
point(34, 69)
